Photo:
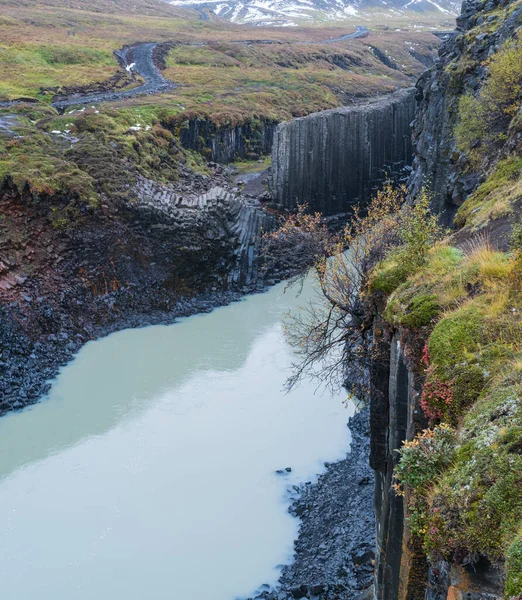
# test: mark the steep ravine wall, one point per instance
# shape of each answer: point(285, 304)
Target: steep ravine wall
point(333, 159)
point(167, 252)
point(460, 69)
point(394, 418)
point(233, 223)
point(402, 572)
point(226, 143)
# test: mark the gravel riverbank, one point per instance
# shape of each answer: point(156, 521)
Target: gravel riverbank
point(334, 553)
point(28, 366)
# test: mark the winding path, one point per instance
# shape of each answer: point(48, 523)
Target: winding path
point(142, 64)
point(140, 59)
point(360, 32)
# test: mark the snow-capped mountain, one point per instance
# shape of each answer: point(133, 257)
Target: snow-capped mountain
point(293, 12)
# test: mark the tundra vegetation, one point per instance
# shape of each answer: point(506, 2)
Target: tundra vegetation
point(458, 312)
point(49, 47)
point(92, 153)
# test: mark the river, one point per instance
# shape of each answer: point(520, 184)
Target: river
point(149, 471)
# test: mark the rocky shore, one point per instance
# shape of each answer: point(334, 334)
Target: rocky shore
point(28, 366)
point(168, 252)
point(334, 553)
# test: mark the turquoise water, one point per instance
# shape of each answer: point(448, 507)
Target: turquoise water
point(149, 471)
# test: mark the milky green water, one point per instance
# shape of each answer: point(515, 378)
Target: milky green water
point(149, 471)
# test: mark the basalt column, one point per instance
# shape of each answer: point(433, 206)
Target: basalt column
point(331, 160)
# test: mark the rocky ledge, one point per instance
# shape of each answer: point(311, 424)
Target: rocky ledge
point(334, 557)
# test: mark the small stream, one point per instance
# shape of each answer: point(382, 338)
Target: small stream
point(149, 471)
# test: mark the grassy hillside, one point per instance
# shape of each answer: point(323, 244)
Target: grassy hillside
point(459, 316)
point(43, 46)
point(50, 45)
point(285, 80)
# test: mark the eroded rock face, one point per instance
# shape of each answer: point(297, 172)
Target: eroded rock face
point(333, 159)
point(230, 142)
point(402, 570)
point(481, 581)
point(233, 222)
point(165, 252)
point(459, 70)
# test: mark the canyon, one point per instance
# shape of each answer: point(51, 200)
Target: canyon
point(149, 249)
point(180, 391)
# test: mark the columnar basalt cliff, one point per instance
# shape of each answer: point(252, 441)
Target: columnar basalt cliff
point(226, 143)
point(454, 567)
point(232, 223)
point(394, 418)
point(167, 251)
point(333, 159)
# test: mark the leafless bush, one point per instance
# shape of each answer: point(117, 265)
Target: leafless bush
point(332, 332)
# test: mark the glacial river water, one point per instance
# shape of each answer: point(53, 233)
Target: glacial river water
point(149, 471)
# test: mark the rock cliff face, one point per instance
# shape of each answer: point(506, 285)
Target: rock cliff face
point(224, 144)
point(233, 223)
point(458, 70)
point(402, 571)
point(394, 418)
point(333, 159)
point(166, 252)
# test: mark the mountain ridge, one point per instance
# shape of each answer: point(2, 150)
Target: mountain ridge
point(294, 12)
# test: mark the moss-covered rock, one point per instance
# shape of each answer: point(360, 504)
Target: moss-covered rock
point(495, 197)
point(471, 505)
point(389, 274)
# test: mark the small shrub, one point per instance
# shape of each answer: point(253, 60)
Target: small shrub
point(472, 125)
point(437, 396)
point(484, 119)
point(419, 231)
point(426, 456)
point(422, 461)
point(504, 84)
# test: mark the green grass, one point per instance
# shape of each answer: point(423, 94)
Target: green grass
point(465, 498)
point(243, 167)
point(106, 157)
point(495, 197)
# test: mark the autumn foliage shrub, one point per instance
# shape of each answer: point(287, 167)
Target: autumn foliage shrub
point(437, 396)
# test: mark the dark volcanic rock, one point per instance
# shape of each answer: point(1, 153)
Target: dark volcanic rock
point(457, 71)
point(332, 160)
point(165, 253)
point(226, 143)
